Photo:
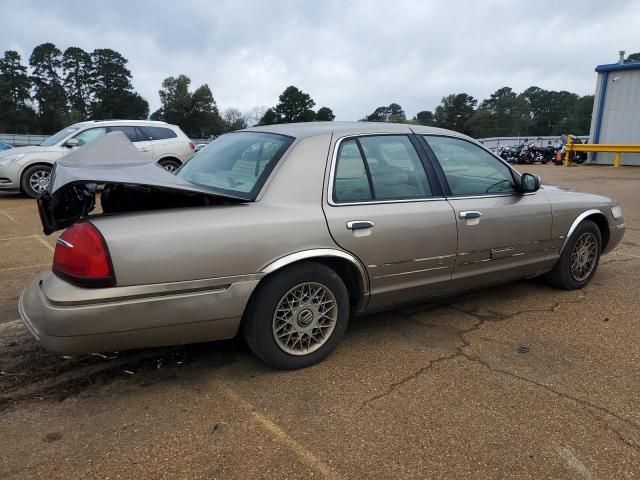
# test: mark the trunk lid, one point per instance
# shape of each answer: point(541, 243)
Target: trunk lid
point(131, 183)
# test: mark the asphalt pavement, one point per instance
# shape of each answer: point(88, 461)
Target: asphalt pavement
point(518, 381)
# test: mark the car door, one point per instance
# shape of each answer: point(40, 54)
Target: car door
point(137, 138)
point(386, 207)
point(88, 135)
point(502, 234)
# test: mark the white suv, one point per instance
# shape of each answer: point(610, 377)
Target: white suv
point(27, 169)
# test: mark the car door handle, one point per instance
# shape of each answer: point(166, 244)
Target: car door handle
point(470, 214)
point(359, 224)
point(145, 149)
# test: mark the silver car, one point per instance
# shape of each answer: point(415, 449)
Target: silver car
point(284, 232)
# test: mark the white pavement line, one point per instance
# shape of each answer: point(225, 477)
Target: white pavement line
point(12, 239)
point(25, 267)
point(303, 453)
point(627, 254)
point(44, 242)
point(9, 217)
point(10, 324)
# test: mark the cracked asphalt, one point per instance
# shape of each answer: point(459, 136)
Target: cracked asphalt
point(518, 381)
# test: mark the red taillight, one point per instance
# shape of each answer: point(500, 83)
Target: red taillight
point(82, 257)
point(192, 145)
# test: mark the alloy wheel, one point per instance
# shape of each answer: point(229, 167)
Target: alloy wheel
point(304, 318)
point(584, 256)
point(39, 181)
point(170, 167)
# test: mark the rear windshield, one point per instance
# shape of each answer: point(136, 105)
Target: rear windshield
point(236, 163)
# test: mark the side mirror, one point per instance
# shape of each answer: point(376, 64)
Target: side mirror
point(72, 142)
point(529, 183)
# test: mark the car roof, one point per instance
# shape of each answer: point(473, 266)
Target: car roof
point(149, 123)
point(311, 129)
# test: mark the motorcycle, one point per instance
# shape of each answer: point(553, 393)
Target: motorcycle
point(575, 157)
point(511, 153)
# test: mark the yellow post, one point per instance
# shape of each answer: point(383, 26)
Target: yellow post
point(617, 161)
point(566, 151)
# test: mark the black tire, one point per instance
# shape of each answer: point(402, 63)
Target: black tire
point(562, 276)
point(170, 164)
point(26, 182)
point(258, 322)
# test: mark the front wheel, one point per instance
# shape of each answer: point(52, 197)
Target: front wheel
point(297, 317)
point(579, 259)
point(35, 180)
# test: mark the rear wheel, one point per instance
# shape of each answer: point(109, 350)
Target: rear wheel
point(579, 260)
point(297, 317)
point(170, 164)
point(35, 180)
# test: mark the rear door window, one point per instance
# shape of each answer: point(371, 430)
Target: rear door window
point(130, 132)
point(382, 167)
point(351, 179)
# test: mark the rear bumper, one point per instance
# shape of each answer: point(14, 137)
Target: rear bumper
point(69, 320)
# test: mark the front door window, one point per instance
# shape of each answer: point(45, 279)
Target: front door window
point(89, 135)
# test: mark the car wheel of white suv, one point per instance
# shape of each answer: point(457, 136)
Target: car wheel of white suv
point(35, 180)
point(169, 164)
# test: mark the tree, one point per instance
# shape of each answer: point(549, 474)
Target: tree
point(16, 115)
point(203, 120)
point(505, 113)
point(196, 113)
point(482, 124)
point(78, 81)
point(49, 93)
point(634, 57)
point(233, 120)
point(393, 113)
point(325, 114)
point(424, 117)
point(454, 112)
point(133, 107)
point(113, 95)
point(175, 99)
point(551, 113)
point(582, 114)
point(269, 117)
point(294, 106)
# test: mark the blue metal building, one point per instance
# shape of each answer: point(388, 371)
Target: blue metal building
point(616, 109)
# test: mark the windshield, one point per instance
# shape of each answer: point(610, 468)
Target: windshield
point(236, 163)
point(56, 137)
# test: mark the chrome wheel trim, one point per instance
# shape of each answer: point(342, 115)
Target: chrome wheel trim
point(305, 318)
point(170, 167)
point(39, 180)
point(583, 256)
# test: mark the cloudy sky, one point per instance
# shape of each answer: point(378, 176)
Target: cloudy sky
point(349, 55)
